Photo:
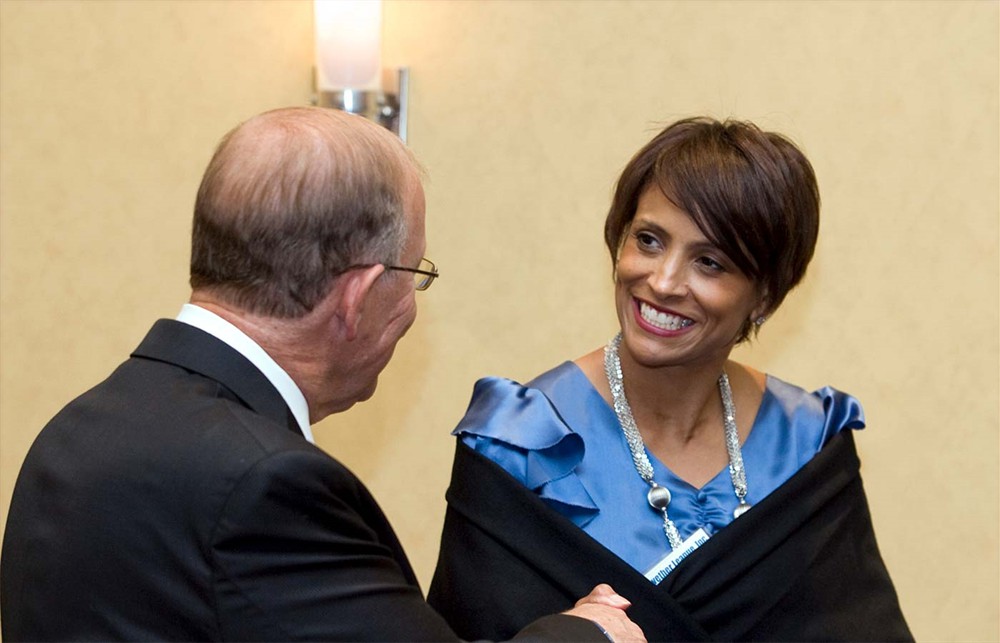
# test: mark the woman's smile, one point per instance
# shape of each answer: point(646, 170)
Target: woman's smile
point(658, 320)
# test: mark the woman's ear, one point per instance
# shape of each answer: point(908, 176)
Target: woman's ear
point(351, 290)
point(762, 310)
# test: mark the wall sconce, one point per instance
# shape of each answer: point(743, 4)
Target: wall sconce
point(349, 74)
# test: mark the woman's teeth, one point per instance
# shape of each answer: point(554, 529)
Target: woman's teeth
point(661, 319)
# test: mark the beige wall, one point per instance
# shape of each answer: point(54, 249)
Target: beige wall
point(523, 113)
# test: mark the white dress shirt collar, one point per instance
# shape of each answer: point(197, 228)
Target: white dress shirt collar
point(218, 327)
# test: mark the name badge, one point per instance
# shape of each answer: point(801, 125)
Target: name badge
point(669, 562)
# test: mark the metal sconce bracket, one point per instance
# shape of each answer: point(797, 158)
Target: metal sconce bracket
point(385, 108)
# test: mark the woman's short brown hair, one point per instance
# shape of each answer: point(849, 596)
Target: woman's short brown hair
point(752, 193)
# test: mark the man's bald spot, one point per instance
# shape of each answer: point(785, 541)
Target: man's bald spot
point(309, 147)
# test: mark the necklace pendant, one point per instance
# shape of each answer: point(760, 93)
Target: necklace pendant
point(741, 509)
point(658, 497)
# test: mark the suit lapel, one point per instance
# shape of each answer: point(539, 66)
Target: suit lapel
point(183, 345)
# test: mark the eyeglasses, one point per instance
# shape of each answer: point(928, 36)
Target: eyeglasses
point(423, 275)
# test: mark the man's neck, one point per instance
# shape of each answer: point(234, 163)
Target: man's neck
point(294, 344)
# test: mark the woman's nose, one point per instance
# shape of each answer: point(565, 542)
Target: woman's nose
point(669, 279)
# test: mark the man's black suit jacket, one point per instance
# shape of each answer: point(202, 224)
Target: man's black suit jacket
point(179, 500)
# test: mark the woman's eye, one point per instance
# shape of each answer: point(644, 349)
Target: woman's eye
point(711, 264)
point(645, 240)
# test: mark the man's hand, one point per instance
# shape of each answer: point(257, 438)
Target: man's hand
point(606, 608)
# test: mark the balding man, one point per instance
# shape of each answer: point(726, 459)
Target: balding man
point(182, 498)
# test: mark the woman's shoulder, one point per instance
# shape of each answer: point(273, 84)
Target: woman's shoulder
point(826, 407)
point(525, 415)
point(527, 429)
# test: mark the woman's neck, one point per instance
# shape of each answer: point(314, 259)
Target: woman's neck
point(678, 410)
point(675, 400)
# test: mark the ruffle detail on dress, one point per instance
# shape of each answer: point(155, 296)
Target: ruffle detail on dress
point(842, 411)
point(518, 428)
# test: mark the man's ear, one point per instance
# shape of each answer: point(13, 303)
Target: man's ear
point(351, 291)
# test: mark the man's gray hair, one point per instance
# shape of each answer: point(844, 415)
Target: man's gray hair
point(290, 200)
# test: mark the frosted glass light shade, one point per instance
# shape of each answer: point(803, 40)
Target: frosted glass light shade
point(348, 44)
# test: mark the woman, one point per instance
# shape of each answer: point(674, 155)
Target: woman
point(723, 502)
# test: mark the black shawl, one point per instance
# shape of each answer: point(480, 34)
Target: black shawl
point(802, 565)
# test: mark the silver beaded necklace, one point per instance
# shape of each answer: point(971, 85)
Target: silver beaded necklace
point(659, 497)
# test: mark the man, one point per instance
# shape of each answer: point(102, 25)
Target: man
point(182, 497)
